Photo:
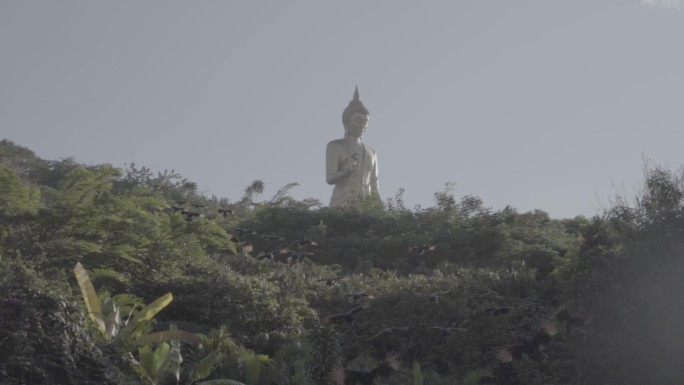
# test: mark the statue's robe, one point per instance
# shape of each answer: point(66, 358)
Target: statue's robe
point(362, 184)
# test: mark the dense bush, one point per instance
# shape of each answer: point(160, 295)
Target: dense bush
point(45, 337)
point(446, 287)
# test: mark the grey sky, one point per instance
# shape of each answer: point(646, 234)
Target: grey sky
point(533, 103)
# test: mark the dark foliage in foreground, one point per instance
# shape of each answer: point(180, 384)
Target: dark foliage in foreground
point(460, 293)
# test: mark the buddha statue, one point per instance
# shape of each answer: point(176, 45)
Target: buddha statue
point(351, 165)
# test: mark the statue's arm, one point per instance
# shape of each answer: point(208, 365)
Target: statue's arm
point(332, 174)
point(374, 177)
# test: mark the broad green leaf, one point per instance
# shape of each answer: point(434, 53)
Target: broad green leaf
point(417, 375)
point(142, 373)
point(155, 363)
point(90, 297)
point(206, 365)
point(152, 309)
point(146, 359)
point(162, 359)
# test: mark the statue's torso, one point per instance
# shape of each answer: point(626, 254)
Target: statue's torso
point(360, 183)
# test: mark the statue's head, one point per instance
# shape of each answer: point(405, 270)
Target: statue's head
point(355, 116)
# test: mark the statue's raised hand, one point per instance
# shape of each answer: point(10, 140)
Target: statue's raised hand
point(351, 164)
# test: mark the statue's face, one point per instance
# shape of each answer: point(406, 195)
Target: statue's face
point(357, 124)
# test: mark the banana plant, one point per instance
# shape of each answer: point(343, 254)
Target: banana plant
point(159, 353)
point(214, 350)
point(153, 363)
point(131, 331)
point(92, 302)
point(166, 359)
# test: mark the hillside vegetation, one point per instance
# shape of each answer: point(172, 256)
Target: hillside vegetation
point(126, 276)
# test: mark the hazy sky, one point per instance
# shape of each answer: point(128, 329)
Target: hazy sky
point(538, 104)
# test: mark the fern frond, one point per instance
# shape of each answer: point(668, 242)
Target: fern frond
point(325, 353)
point(109, 274)
point(206, 365)
point(169, 335)
point(475, 377)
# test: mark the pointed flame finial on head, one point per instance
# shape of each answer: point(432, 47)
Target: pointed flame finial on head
point(354, 106)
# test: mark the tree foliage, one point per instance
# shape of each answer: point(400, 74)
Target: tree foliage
point(256, 283)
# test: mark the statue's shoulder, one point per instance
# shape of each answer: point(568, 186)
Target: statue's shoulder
point(335, 143)
point(369, 149)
